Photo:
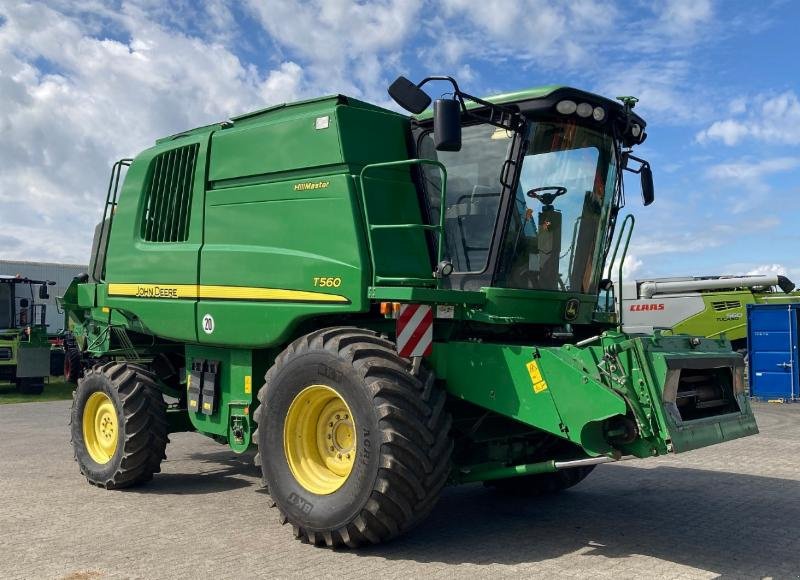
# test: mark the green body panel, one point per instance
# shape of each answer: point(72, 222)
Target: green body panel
point(9, 341)
point(302, 192)
point(732, 322)
point(496, 377)
point(28, 355)
point(509, 306)
point(132, 260)
point(234, 397)
point(584, 386)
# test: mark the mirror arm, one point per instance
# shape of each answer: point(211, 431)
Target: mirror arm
point(499, 115)
point(639, 160)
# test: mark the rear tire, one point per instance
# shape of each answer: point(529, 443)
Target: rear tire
point(30, 385)
point(541, 483)
point(73, 365)
point(401, 446)
point(118, 426)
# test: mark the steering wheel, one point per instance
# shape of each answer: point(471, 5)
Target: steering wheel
point(547, 198)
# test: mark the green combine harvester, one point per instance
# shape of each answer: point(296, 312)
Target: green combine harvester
point(384, 305)
point(24, 344)
point(708, 306)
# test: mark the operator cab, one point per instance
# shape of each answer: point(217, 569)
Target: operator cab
point(18, 307)
point(533, 185)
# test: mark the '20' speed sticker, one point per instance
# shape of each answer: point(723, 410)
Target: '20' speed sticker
point(208, 324)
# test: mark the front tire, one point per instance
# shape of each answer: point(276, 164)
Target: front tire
point(118, 426)
point(354, 448)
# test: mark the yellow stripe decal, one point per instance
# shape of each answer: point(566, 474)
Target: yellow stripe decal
point(175, 291)
point(153, 290)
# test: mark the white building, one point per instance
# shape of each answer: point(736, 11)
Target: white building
point(61, 274)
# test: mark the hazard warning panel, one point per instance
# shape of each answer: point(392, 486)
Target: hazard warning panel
point(414, 330)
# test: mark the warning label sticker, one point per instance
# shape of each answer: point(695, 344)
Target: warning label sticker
point(539, 384)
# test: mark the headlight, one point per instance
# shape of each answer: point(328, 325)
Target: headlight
point(636, 130)
point(566, 107)
point(599, 114)
point(584, 110)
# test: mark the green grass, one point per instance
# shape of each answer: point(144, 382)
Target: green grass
point(55, 390)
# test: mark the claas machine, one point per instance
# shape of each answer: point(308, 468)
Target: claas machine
point(384, 304)
point(24, 344)
point(709, 306)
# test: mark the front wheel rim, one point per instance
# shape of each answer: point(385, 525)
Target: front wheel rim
point(320, 439)
point(100, 427)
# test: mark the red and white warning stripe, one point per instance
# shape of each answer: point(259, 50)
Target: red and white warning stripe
point(414, 330)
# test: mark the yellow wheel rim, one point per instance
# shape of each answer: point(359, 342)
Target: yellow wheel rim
point(100, 427)
point(319, 439)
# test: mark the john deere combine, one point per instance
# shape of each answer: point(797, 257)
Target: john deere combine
point(384, 304)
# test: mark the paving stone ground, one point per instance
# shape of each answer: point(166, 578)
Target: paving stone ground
point(732, 510)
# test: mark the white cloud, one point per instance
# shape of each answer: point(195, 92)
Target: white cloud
point(769, 119)
point(779, 269)
point(764, 268)
point(554, 34)
point(631, 266)
point(346, 44)
point(752, 172)
point(74, 101)
point(729, 132)
point(682, 16)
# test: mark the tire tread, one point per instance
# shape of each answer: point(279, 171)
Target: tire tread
point(415, 442)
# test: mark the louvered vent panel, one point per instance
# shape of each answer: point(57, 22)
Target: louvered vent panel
point(726, 305)
point(169, 196)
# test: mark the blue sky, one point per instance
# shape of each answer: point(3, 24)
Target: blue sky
point(85, 83)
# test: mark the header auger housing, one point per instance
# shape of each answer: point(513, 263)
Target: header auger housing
point(374, 301)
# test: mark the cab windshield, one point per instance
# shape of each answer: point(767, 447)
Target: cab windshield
point(553, 240)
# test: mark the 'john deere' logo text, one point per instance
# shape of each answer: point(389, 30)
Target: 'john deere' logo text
point(305, 186)
point(156, 292)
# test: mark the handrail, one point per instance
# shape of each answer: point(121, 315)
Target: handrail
point(632, 220)
point(439, 229)
point(111, 201)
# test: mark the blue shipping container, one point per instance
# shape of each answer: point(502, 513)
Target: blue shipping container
point(773, 365)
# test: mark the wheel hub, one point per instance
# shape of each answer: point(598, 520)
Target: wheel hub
point(320, 439)
point(100, 427)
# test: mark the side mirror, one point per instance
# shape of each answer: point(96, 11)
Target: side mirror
point(648, 192)
point(447, 125)
point(43, 295)
point(409, 96)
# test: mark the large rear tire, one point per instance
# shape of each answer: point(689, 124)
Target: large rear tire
point(118, 426)
point(543, 483)
point(354, 448)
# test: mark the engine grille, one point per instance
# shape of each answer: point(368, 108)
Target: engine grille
point(726, 305)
